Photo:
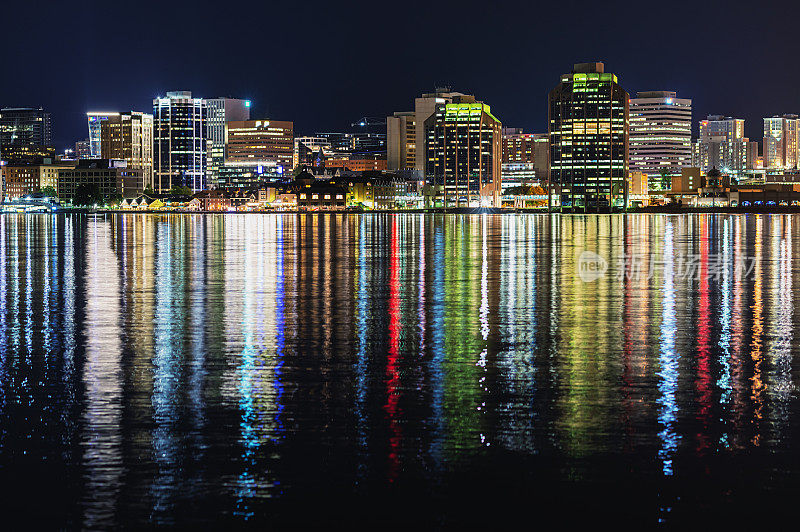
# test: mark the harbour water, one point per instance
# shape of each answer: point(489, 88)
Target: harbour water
point(398, 369)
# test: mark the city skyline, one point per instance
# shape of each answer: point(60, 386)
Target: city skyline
point(534, 51)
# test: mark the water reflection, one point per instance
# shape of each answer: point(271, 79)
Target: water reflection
point(201, 366)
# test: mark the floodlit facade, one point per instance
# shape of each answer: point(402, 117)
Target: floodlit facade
point(464, 153)
point(95, 121)
point(780, 142)
point(129, 136)
point(660, 136)
point(179, 142)
point(588, 128)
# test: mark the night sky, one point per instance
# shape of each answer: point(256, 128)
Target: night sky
point(326, 64)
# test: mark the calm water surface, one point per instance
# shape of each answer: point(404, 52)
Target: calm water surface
point(430, 370)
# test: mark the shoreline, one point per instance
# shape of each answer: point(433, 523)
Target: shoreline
point(460, 211)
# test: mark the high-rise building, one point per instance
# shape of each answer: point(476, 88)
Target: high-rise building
point(401, 141)
point(464, 152)
point(129, 136)
point(95, 121)
point(24, 126)
point(722, 145)
point(261, 149)
point(780, 142)
point(221, 111)
point(525, 158)
point(405, 132)
point(660, 136)
point(588, 128)
point(179, 142)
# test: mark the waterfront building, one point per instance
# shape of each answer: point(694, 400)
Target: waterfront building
point(464, 152)
point(24, 126)
point(129, 136)
point(232, 175)
point(588, 128)
point(660, 136)
point(179, 142)
point(220, 112)
point(378, 191)
point(26, 179)
point(109, 178)
point(267, 144)
point(318, 194)
point(525, 158)
point(722, 145)
point(780, 142)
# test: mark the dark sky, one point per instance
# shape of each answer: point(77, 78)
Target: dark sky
point(326, 64)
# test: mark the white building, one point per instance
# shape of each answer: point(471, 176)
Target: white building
point(660, 140)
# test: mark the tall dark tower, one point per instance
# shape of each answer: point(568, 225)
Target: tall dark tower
point(588, 129)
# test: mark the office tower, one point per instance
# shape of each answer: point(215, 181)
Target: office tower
point(401, 141)
point(179, 142)
point(220, 111)
point(588, 128)
point(405, 131)
point(24, 126)
point(261, 149)
point(660, 136)
point(129, 136)
point(95, 121)
point(464, 152)
point(110, 178)
point(722, 145)
point(780, 142)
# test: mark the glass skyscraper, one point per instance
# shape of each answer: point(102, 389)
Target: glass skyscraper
point(179, 142)
point(464, 153)
point(588, 128)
